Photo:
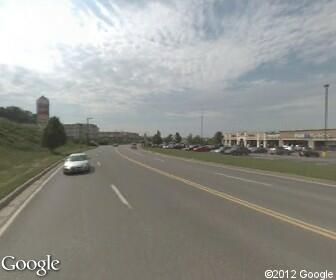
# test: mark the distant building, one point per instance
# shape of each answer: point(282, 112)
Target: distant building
point(42, 111)
point(120, 136)
point(314, 138)
point(80, 131)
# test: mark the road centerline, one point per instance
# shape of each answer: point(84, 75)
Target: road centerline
point(243, 179)
point(121, 197)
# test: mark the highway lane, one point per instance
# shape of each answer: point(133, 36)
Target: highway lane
point(310, 202)
point(171, 230)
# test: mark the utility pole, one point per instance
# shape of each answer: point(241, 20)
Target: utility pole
point(326, 86)
point(202, 117)
point(326, 112)
point(87, 130)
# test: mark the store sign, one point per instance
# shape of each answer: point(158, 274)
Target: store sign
point(272, 136)
point(312, 135)
point(318, 135)
point(301, 135)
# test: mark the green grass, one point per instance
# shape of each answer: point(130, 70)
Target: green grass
point(21, 155)
point(301, 168)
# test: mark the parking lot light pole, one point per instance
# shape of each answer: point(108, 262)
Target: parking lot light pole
point(326, 86)
point(87, 130)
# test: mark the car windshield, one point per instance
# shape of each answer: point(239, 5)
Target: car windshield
point(78, 158)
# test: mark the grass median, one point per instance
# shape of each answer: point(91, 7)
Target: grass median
point(306, 169)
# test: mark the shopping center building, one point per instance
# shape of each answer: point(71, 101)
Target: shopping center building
point(314, 138)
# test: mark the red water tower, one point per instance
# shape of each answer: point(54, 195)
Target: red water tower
point(42, 110)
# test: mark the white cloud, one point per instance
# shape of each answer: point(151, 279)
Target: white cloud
point(111, 57)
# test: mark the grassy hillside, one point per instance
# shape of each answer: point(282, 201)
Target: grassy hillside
point(21, 155)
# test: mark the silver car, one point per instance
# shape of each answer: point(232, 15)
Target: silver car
point(76, 163)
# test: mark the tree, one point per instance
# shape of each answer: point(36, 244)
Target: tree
point(53, 134)
point(169, 138)
point(190, 138)
point(197, 140)
point(218, 137)
point(177, 137)
point(157, 139)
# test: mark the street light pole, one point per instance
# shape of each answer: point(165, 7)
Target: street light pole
point(326, 86)
point(87, 130)
point(202, 117)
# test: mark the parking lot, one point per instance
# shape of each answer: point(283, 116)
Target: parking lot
point(330, 158)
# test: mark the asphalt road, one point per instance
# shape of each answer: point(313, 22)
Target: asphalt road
point(140, 215)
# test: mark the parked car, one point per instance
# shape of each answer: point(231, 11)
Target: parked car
point(76, 163)
point(237, 151)
point(298, 148)
point(279, 151)
point(134, 146)
point(115, 145)
point(221, 149)
point(258, 150)
point(202, 149)
point(309, 152)
point(179, 146)
point(252, 149)
point(212, 147)
point(289, 148)
point(191, 147)
point(272, 150)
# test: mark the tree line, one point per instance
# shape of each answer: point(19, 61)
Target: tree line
point(157, 139)
point(16, 114)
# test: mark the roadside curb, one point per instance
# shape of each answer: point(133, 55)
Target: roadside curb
point(287, 176)
point(12, 195)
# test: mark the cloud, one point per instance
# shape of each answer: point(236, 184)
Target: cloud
point(168, 58)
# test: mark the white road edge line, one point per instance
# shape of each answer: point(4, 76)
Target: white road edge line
point(244, 180)
point(11, 219)
point(98, 163)
point(121, 197)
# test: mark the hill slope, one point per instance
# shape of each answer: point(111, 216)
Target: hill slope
point(19, 136)
point(21, 154)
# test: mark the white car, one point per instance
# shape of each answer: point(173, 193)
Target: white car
point(289, 148)
point(219, 150)
point(76, 163)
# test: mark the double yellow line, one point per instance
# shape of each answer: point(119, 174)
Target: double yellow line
point(293, 221)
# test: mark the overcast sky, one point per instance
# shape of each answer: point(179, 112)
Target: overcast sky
point(145, 65)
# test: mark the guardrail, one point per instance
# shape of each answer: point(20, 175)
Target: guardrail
point(12, 195)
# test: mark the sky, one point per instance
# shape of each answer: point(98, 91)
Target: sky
point(137, 65)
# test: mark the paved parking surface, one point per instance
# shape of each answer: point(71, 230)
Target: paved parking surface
point(330, 159)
